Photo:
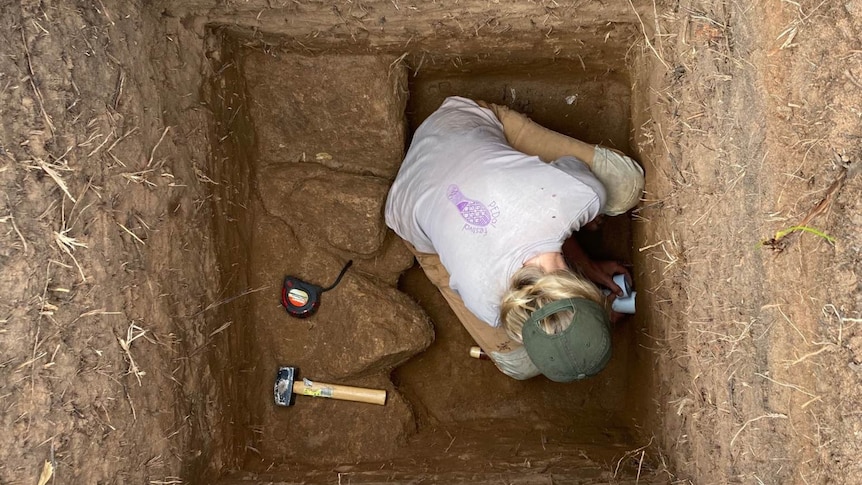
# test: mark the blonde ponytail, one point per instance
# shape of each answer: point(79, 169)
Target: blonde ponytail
point(532, 287)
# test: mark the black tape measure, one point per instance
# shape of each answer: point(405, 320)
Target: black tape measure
point(301, 298)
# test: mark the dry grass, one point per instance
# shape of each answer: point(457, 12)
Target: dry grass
point(47, 473)
point(31, 78)
point(671, 253)
point(788, 35)
point(53, 171)
point(69, 244)
point(133, 333)
point(11, 220)
point(139, 177)
point(156, 146)
point(754, 420)
point(646, 37)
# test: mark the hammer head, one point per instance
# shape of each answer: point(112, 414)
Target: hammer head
point(284, 386)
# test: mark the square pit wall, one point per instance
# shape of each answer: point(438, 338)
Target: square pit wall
point(310, 142)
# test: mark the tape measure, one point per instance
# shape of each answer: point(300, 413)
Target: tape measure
point(300, 298)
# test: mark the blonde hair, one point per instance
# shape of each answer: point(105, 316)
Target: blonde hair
point(532, 287)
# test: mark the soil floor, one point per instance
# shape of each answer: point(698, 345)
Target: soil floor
point(165, 164)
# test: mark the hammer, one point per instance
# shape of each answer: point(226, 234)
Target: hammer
point(286, 386)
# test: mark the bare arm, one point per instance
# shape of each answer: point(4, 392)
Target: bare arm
point(599, 272)
point(531, 138)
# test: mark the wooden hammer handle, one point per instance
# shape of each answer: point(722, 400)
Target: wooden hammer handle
point(335, 391)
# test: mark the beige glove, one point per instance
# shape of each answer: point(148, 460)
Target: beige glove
point(622, 177)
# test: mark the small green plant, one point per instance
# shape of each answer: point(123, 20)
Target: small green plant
point(811, 230)
point(777, 243)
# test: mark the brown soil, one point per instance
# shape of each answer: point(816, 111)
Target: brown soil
point(165, 165)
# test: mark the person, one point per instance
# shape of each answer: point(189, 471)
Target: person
point(488, 200)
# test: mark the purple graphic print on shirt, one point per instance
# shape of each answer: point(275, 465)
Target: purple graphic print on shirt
point(473, 211)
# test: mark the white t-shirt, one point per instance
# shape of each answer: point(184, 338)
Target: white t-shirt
point(462, 192)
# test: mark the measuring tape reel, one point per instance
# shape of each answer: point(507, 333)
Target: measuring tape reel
point(301, 298)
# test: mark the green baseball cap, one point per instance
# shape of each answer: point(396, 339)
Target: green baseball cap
point(581, 350)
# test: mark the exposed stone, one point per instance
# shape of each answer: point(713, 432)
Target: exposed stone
point(344, 210)
point(328, 109)
point(390, 262)
point(381, 327)
point(363, 326)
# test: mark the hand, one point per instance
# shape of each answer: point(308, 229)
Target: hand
point(599, 272)
point(613, 316)
point(602, 273)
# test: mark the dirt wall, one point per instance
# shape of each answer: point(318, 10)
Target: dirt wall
point(106, 256)
point(751, 345)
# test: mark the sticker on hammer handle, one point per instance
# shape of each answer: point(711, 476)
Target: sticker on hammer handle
point(319, 392)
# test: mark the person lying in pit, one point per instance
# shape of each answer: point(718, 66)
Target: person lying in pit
point(488, 201)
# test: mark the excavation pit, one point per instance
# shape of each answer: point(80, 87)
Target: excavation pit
point(165, 164)
point(309, 145)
